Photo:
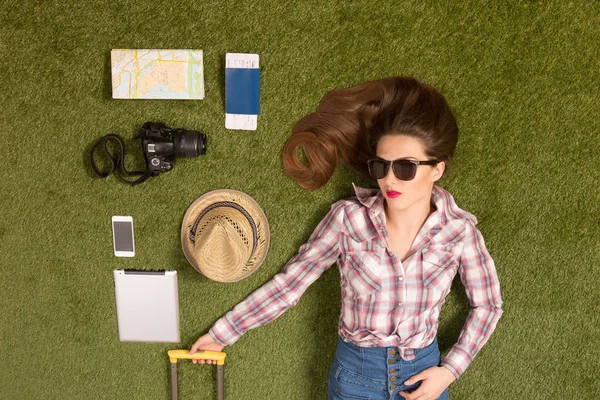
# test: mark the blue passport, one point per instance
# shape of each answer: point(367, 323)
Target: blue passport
point(242, 91)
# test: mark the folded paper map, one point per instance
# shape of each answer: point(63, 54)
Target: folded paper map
point(157, 74)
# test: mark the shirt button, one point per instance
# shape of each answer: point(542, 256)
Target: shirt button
point(399, 303)
point(400, 278)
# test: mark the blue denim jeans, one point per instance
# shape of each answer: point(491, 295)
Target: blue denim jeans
point(377, 373)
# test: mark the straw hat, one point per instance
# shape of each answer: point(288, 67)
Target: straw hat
point(225, 235)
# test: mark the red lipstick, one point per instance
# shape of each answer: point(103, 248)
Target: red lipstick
point(392, 194)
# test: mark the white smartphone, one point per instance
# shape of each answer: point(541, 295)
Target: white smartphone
point(123, 244)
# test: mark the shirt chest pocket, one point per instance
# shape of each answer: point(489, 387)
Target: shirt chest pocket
point(437, 264)
point(363, 271)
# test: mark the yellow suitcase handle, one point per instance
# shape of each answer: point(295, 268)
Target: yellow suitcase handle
point(217, 356)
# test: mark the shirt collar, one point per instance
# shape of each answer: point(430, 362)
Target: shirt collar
point(370, 198)
point(441, 205)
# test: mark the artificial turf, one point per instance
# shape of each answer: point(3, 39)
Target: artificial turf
point(522, 77)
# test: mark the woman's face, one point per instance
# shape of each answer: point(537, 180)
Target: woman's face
point(402, 195)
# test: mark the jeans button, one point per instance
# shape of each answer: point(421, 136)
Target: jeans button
point(393, 351)
point(392, 379)
point(391, 360)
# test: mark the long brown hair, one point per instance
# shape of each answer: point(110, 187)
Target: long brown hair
point(350, 122)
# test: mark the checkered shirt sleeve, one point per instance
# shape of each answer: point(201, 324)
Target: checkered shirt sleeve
point(478, 275)
point(284, 290)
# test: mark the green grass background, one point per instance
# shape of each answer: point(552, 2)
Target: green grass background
point(522, 77)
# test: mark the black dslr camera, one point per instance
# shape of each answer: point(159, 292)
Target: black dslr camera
point(161, 144)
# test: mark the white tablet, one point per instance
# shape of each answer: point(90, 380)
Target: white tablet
point(147, 306)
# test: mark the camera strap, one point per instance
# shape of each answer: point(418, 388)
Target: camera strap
point(117, 162)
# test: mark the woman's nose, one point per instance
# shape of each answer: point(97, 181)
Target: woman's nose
point(390, 177)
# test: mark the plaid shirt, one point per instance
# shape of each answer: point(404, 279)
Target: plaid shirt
point(386, 302)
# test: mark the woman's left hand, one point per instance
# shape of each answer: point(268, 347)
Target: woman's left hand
point(435, 381)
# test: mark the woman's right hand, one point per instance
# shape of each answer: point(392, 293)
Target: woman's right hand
point(205, 342)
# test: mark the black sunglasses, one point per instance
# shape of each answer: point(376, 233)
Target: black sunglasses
point(405, 170)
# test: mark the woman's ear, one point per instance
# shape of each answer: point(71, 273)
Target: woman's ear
point(438, 170)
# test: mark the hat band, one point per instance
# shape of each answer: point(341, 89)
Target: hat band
point(230, 204)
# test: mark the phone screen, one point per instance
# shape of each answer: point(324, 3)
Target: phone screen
point(123, 231)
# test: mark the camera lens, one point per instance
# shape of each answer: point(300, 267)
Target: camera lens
point(189, 143)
